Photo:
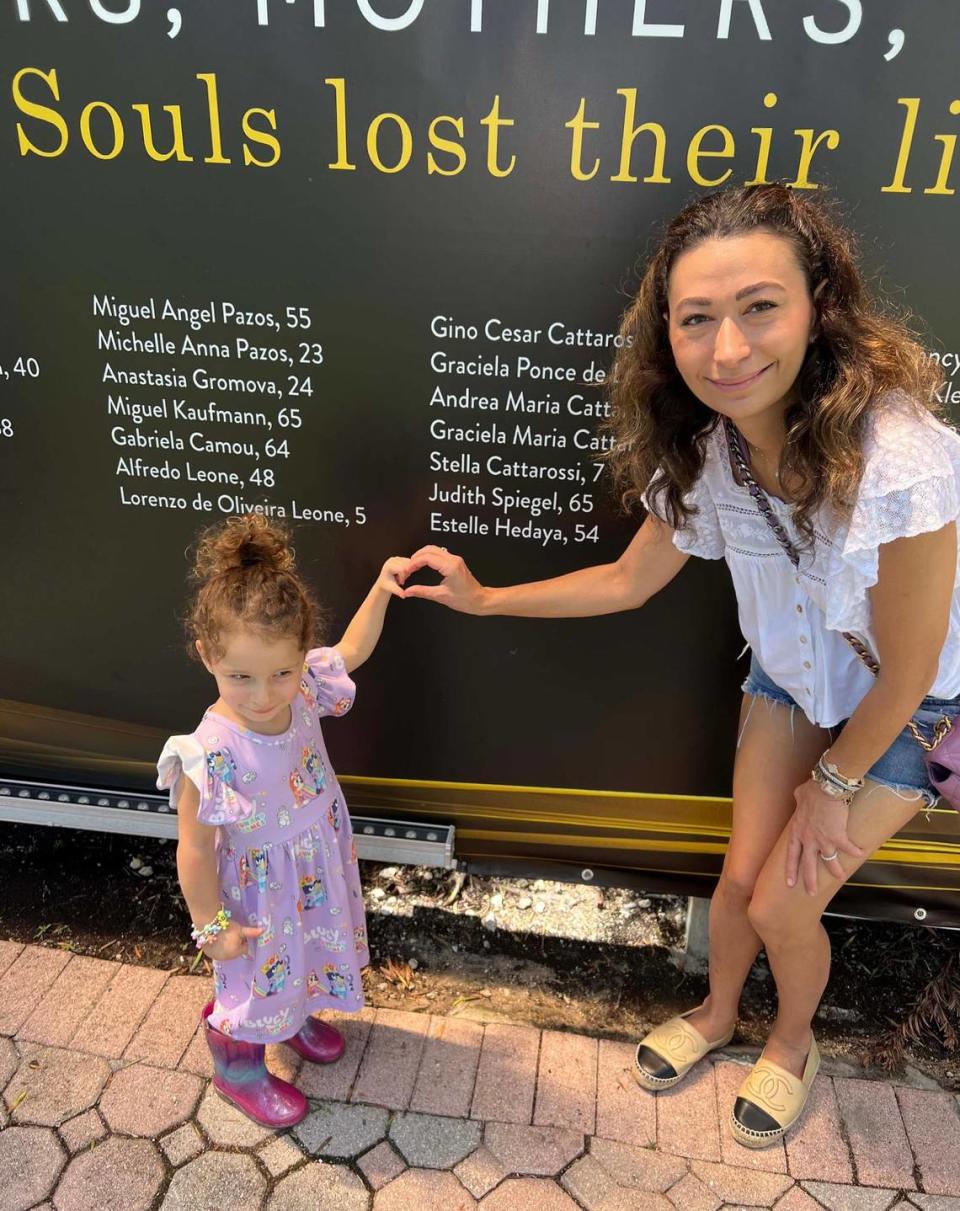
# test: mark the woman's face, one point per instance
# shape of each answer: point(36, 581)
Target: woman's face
point(740, 318)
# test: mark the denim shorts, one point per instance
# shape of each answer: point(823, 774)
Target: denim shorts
point(901, 767)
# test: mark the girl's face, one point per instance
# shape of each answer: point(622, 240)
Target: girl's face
point(257, 678)
point(740, 318)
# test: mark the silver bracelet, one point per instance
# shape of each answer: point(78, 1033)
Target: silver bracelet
point(850, 785)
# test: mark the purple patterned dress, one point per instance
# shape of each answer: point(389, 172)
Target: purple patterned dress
point(286, 859)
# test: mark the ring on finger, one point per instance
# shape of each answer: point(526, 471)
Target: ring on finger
point(829, 857)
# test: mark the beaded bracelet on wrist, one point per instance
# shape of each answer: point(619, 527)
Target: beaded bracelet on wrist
point(206, 933)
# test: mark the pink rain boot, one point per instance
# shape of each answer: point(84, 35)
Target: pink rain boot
point(318, 1042)
point(241, 1077)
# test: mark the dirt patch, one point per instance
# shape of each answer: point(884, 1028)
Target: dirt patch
point(562, 956)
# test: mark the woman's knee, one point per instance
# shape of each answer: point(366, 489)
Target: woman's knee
point(737, 883)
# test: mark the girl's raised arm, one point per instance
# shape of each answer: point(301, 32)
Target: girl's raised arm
point(648, 564)
point(363, 633)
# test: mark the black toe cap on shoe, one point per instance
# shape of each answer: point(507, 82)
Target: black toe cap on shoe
point(753, 1118)
point(653, 1064)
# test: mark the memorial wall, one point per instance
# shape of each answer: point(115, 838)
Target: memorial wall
point(359, 264)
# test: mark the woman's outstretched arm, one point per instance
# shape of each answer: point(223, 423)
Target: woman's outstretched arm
point(648, 564)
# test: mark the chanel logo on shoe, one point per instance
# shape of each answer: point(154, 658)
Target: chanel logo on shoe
point(764, 1086)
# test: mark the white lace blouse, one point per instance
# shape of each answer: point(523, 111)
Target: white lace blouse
point(793, 620)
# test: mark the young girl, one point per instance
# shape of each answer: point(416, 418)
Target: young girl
point(266, 857)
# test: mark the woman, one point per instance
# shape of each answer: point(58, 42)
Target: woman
point(766, 413)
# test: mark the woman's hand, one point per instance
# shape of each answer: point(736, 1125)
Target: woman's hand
point(459, 589)
point(818, 833)
point(232, 943)
point(392, 575)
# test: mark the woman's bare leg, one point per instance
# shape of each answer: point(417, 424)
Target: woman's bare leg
point(778, 747)
point(788, 920)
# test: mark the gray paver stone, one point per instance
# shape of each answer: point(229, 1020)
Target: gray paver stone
point(936, 1202)
point(530, 1193)
point(588, 1182)
point(431, 1142)
point(280, 1154)
point(82, 1131)
point(797, 1199)
point(639, 1168)
point(30, 1163)
point(849, 1198)
point(24, 983)
point(344, 1131)
point(141, 1100)
point(182, 1145)
point(746, 1187)
point(9, 1059)
point(424, 1190)
point(539, 1151)
point(116, 1175)
point(480, 1172)
point(224, 1124)
point(67, 1003)
point(320, 1186)
point(381, 1165)
point(690, 1194)
point(58, 1084)
point(214, 1181)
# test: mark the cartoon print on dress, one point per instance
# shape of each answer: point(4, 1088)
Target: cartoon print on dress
point(226, 1027)
point(314, 985)
point(353, 853)
point(266, 924)
point(288, 926)
point(360, 938)
point(332, 939)
point(333, 813)
point(221, 766)
point(339, 980)
point(219, 981)
point(305, 847)
point(249, 776)
point(312, 762)
point(272, 976)
point(253, 869)
point(313, 892)
point(299, 790)
point(252, 823)
point(270, 1025)
point(341, 706)
point(307, 691)
point(283, 818)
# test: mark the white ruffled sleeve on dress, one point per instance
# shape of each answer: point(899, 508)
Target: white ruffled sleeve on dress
point(909, 487)
point(181, 755)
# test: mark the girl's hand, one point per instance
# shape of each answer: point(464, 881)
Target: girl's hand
point(817, 832)
point(459, 589)
point(393, 574)
point(232, 943)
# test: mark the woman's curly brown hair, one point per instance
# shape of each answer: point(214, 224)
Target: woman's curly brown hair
point(658, 426)
point(246, 579)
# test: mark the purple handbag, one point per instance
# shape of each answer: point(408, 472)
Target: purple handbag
point(941, 753)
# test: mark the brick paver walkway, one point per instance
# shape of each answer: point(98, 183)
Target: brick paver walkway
point(107, 1107)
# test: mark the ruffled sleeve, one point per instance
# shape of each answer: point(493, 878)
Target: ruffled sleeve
point(327, 685)
point(212, 773)
point(909, 487)
point(181, 755)
point(701, 536)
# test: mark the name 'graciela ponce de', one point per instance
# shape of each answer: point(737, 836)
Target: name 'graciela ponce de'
point(637, 149)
